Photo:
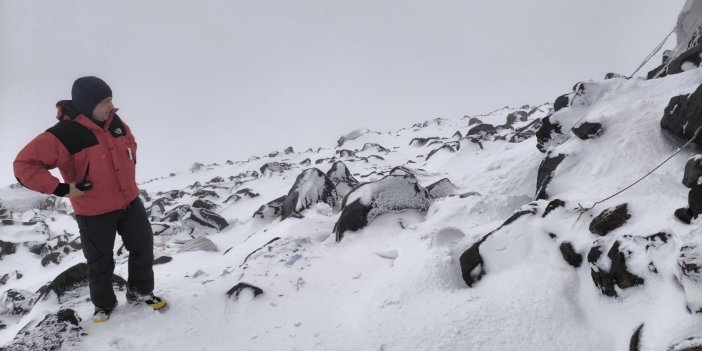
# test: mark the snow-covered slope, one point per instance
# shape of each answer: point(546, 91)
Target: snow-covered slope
point(399, 262)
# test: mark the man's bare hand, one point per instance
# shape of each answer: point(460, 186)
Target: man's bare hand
point(73, 192)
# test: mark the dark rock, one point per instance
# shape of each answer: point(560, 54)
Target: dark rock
point(393, 193)
point(311, 187)
point(380, 148)
point(474, 121)
point(609, 220)
point(694, 200)
point(545, 174)
point(163, 229)
point(204, 219)
point(445, 147)
point(273, 154)
point(289, 150)
point(57, 331)
point(588, 130)
point(554, 204)
point(635, 342)
point(196, 167)
point(421, 141)
point(684, 214)
point(441, 188)
point(612, 75)
point(216, 180)
point(229, 163)
point(561, 102)
point(482, 131)
point(203, 193)
point(690, 277)
point(54, 257)
point(7, 248)
point(204, 204)
point(176, 214)
point(16, 302)
point(457, 134)
point(236, 290)
point(471, 262)
point(306, 162)
point(573, 258)
point(272, 209)
point(546, 133)
point(163, 260)
point(342, 179)
point(274, 167)
point(472, 265)
point(616, 275)
point(693, 171)
point(4, 279)
point(345, 153)
point(681, 116)
point(526, 132)
point(72, 278)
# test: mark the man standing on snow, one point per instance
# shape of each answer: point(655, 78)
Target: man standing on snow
point(95, 153)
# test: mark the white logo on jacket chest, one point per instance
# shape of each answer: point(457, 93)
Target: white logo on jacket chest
point(118, 131)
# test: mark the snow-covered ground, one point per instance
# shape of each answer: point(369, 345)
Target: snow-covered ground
point(397, 284)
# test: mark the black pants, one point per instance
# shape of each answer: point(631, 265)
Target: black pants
point(97, 234)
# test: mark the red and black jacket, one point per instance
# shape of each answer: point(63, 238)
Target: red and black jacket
point(83, 151)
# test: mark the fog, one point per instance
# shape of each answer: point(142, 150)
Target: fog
point(215, 80)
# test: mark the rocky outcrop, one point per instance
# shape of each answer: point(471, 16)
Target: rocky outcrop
point(311, 187)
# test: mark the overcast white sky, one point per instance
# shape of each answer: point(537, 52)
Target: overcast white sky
point(214, 80)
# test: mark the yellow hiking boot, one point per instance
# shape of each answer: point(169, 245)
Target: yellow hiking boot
point(149, 299)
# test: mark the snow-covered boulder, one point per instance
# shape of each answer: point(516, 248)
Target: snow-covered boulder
point(481, 131)
point(274, 167)
point(16, 302)
point(393, 193)
point(442, 188)
point(588, 130)
point(618, 264)
point(57, 331)
point(310, 187)
point(199, 218)
point(342, 179)
point(610, 219)
point(72, 279)
point(272, 209)
point(690, 275)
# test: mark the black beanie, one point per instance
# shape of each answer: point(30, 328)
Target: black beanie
point(87, 92)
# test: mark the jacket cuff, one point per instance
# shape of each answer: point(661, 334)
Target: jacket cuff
point(62, 189)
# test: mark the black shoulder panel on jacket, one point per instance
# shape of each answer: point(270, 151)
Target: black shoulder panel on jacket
point(73, 136)
point(116, 127)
